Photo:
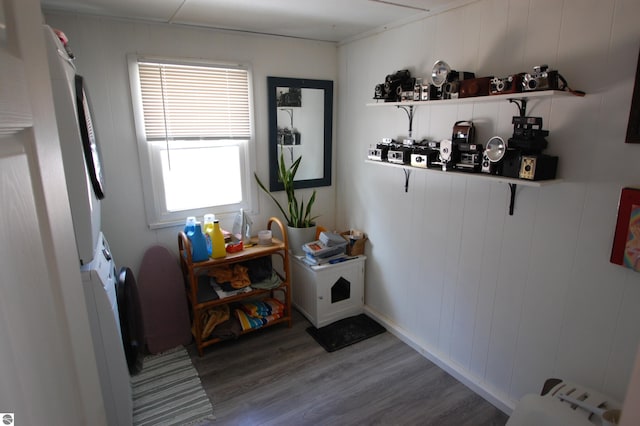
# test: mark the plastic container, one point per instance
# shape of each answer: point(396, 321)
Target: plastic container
point(217, 241)
point(198, 244)
point(264, 238)
point(190, 225)
point(208, 231)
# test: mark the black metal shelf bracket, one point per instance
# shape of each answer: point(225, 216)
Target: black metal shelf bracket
point(409, 110)
point(407, 174)
point(512, 202)
point(521, 104)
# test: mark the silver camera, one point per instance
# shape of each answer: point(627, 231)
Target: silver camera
point(542, 79)
point(510, 84)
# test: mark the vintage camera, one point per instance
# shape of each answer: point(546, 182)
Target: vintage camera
point(449, 154)
point(430, 92)
point(511, 163)
point(538, 167)
point(492, 157)
point(381, 150)
point(488, 166)
point(475, 87)
point(399, 155)
point(425, 154)
point(528, 135)
point(463, 132)
point(451, 88)
point(417, 89)
point(393, 86)
point(447, 81)
point(470, 157)
point(510, 84)
point(542, 79)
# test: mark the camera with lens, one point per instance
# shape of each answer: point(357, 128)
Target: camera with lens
point(400, 154)
point(528, 135)
point(381, 150)
point(510, 84)
point(449, 155)
point(468, 154)
point(451, 88)
point(425, 153)
point(542, 79)
point(393, 86)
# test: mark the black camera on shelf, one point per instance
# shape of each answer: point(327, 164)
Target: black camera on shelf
point(381, 151)
point(528, 135)
point(393, 86)
point(399, 154)
point(425, 153)
point(542, 79)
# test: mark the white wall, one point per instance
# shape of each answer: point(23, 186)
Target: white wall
point(502, 301)
point(101, 46)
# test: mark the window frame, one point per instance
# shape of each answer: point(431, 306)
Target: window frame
point(151, 169)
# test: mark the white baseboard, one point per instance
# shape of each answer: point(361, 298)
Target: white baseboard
point(500, 401)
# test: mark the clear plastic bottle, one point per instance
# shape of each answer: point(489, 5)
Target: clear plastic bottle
point(217, 241)
point(208, 231)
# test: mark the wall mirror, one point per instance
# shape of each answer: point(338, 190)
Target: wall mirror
point(300, 124)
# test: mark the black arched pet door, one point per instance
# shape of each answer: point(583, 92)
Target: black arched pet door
point(89, 144)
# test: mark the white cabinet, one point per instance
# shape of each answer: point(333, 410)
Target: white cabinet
point(328, 293)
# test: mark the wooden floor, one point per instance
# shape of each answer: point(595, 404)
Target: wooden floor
point(281, 376)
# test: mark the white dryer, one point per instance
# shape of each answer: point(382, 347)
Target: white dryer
point(99, 278)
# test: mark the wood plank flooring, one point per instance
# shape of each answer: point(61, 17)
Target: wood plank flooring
point(281, 376)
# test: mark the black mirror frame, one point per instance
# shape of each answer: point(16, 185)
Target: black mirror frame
point(327, 86)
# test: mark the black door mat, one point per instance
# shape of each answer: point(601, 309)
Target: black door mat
point(345, 332)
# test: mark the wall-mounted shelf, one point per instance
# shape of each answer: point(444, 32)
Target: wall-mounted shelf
point(478, 99)
point(512, 182)
point(520, 99)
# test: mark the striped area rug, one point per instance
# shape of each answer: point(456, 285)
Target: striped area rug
point(168, 392)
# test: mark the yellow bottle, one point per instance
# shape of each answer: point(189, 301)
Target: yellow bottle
point(208, 231)
point(217, 242)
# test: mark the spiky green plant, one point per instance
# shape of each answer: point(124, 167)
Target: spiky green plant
point(299, 215)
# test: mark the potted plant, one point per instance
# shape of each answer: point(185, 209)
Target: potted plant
point(300, 223)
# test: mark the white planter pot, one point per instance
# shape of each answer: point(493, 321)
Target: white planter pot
point(299, 236)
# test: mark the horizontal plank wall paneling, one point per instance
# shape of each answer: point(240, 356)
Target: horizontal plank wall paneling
point(504, 302)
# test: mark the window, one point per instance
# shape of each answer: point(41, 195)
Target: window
point(194, 129)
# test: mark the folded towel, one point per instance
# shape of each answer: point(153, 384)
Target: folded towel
point(263, 308)
point(257, 314)
point(237, 275)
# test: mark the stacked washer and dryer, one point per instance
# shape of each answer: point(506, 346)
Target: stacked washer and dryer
point(100, 278)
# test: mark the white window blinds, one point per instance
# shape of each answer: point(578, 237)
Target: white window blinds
point(194, 102)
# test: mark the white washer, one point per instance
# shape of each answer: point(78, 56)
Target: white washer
point(99, 278)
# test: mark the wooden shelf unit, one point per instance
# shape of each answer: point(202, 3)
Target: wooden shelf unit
point(202, 297)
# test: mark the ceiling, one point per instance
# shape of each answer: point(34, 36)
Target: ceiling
point(326, 20)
